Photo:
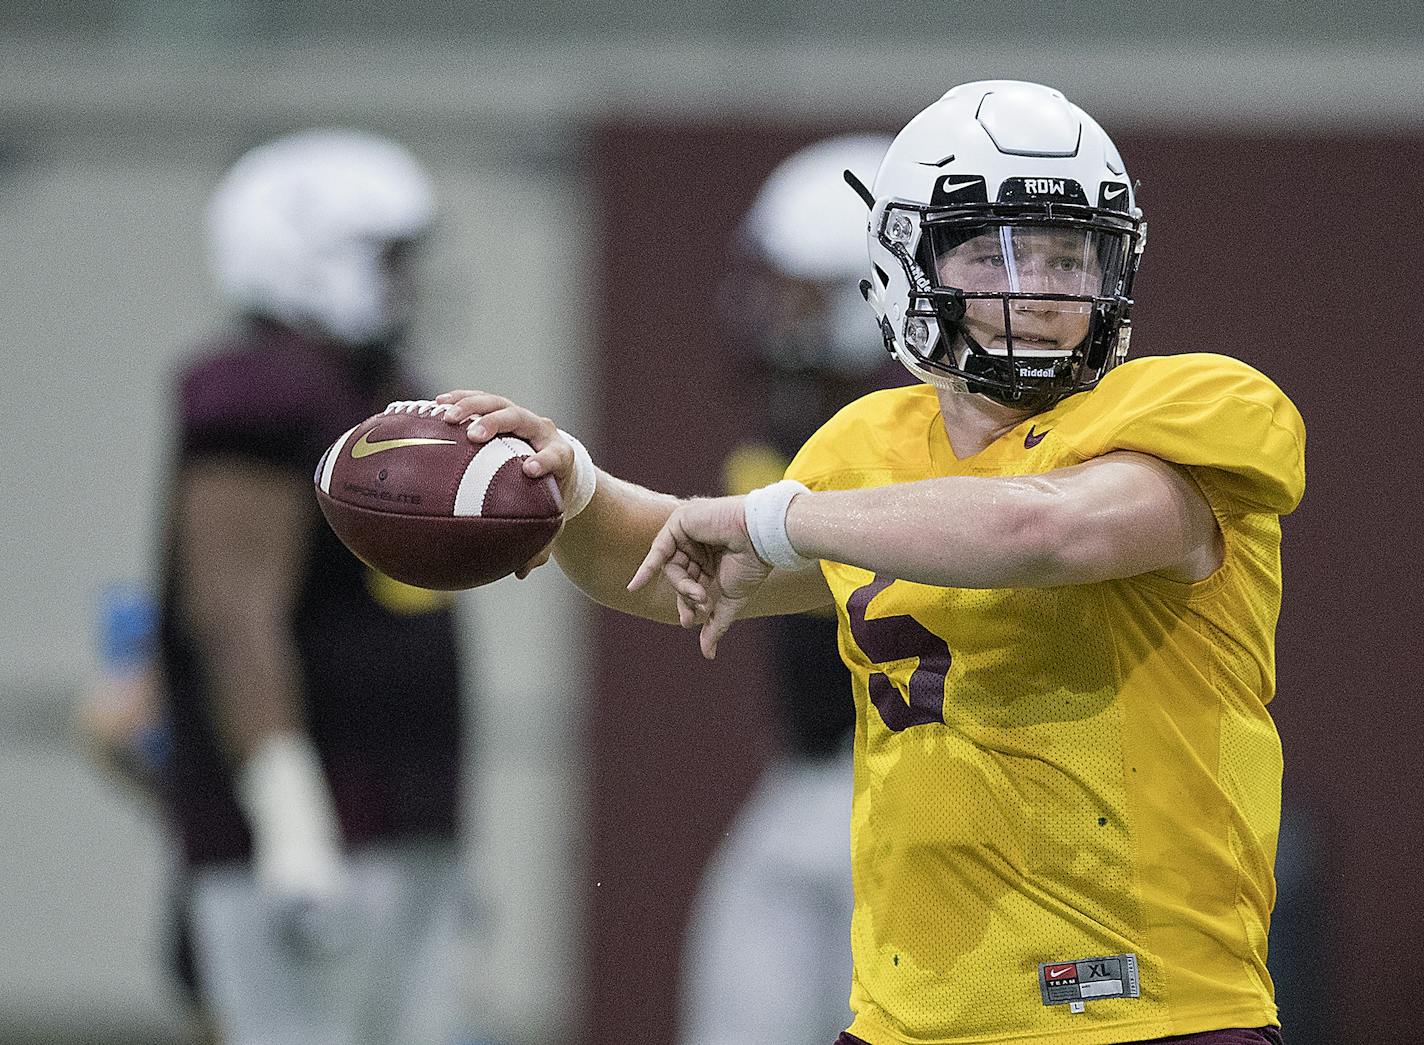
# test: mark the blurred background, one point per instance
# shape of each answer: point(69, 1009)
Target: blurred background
point(592, 160)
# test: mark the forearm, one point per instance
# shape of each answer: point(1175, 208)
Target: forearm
point(256, 686)
point(240, 574)
point(963, 532)
point(600, 549)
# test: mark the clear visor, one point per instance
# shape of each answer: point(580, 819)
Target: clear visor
point(1051, 260)
point(1033, 283)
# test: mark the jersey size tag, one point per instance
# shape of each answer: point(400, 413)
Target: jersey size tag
point(1082, 980)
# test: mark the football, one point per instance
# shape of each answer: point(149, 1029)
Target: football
point(411, 496)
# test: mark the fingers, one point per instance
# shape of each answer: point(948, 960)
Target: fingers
point(446, 398)
point(556, 458)
point(722, 617)
point(488, 415)
point(663, 548)
point(687, 576)
point(690, 615)
point(693, 603)
point(494, 415)
point(534, 563)
point(540, 559)
point(462, 405)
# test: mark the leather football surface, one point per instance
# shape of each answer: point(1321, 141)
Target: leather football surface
point(411, 496)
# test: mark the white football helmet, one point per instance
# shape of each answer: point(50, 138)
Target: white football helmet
point(805, 234)
point(311, 229)
point(1004, 238)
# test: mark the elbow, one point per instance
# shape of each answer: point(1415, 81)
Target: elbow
point(1049, 542)
point(1072, 544)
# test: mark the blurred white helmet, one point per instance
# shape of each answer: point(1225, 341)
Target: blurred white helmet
point(806, 231)
point(308, 230)
point(1004, 239)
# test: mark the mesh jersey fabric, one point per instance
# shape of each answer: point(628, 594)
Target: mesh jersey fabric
point(1060, 773)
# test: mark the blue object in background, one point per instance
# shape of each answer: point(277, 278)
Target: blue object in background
point(128, 627)
point(128, 643)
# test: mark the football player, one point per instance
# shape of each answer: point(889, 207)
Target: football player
point(769, 923)
point(1057, 578)
point(314, 704)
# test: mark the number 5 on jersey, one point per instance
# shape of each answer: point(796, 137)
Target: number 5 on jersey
point(885, 640)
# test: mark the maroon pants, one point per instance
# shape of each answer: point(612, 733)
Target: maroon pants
point(1261, 1036)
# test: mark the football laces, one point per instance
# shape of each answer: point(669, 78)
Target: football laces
point(419, 407)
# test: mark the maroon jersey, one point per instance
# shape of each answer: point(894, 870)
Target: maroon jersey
point(381, 684)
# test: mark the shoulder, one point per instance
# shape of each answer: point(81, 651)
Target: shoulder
point(245, 379)
point(884, 432)
point(1173, 382)
point(1199, 410)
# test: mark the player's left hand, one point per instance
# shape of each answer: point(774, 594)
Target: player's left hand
point(496, 415)
point(705, 553)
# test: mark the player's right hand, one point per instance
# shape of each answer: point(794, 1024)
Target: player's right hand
point(494, 415)
point(706, 554)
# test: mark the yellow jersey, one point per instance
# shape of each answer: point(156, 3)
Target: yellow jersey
point(1067, 799)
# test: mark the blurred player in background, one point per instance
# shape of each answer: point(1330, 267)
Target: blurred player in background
point(1057, 579)
point(770, 924)
point(315, 705)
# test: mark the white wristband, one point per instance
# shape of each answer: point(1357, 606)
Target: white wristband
point(766, 524)
point(585, 479)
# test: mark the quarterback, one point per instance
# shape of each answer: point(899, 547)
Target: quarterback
point(1056, 575)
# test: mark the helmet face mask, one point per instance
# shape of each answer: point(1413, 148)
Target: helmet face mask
point(998, 275)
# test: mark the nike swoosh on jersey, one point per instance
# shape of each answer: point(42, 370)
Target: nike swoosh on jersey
point(363, 447)
point(1031, 440)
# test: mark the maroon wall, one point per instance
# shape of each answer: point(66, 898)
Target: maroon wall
point(1300, 255)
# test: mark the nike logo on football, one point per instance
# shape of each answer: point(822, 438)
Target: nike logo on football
point(363, 447)
point(1112, 192)
point(1031, 440)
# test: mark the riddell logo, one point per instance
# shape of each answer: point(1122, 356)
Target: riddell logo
point(1044, 186)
